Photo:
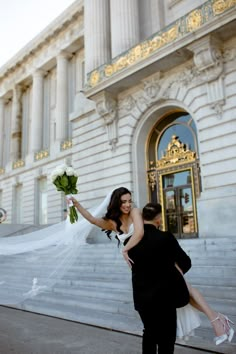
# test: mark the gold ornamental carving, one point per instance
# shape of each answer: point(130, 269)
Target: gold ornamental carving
point(2, 171)
point(183, 26)
point(194, 20)
point(94, 78)
point(67, 144)
point(220, 6)
point(41, 155)
point(18, 164)
point(176, 152)
point(152, 177)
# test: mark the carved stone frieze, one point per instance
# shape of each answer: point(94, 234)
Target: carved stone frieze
point(208, 59)
point(129, 106)
point(106, 107)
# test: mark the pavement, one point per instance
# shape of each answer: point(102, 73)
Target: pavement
point(29, 333)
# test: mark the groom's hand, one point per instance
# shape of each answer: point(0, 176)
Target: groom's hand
point(127, 259)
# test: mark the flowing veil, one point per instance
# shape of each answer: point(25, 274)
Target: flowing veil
point(34, 262)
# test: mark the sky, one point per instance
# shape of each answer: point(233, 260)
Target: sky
point(22, 20)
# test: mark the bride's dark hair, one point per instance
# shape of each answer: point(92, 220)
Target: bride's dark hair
point(113, 209)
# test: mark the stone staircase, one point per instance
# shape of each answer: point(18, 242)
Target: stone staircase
point(96, 290)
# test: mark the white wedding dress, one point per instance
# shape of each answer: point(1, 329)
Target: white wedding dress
point(188, 317)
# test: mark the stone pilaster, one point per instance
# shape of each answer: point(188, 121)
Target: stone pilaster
point(209, 62)
point(1, 130)
point(36, 133)
point(16, 126)
point(62, 118)
point(124, 25)
point(97, 33)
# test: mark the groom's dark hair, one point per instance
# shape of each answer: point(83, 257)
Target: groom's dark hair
point(150, 211)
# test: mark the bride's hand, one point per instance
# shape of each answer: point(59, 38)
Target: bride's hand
point(73, 200)
point(127, 259)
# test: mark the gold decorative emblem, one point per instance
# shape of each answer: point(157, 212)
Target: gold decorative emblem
point(108, 70)
point(194, 20)
point(220, 6)
point(176, 152)
point(18, 164)
point(2, 171)
point(67, 144)
point(41, 155)
point(94, 78)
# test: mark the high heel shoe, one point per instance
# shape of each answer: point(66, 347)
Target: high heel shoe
point(220, 339)
point(230, 332)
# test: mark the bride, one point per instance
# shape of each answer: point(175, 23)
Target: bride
point(127, 223)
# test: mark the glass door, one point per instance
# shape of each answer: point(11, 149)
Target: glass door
point(179, 204)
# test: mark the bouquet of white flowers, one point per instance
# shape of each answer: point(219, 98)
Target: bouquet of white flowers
point(65, 179)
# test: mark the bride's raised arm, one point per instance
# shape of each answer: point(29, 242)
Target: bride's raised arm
point(100, 222)
point(137, 235)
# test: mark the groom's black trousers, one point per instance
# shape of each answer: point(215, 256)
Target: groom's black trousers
point(159, 323)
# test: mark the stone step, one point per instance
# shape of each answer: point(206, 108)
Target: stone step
point(112, 294)
point(86, 315)
point(196, 280)
point(97, 288)
point(221, 292)
point(210, 260)
point(88, 302)
point(213, 271)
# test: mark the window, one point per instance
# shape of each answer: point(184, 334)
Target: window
point(7, 133)
point(17, 205)
point(1, 201)
point(26, 114)
point(42, 201)
point(184, 128)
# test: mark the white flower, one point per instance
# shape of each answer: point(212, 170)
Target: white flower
point(70, 171)
point(59, 171)
point(63, 167)
point(53, 177)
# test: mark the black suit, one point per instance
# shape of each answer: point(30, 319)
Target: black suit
point(158, 287)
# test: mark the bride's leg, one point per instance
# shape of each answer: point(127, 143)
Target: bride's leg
point(198, 301)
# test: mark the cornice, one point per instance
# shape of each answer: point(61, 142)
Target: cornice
point(70, 15)
point(193, 25)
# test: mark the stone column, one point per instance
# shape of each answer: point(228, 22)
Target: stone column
point(1, 130)
point(124, 25)
point(96, 33)
point(37, 112)
point(62, 115)
point(16, 126)
point(152, 17)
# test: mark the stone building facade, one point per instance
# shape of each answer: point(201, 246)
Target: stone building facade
point(131, 93)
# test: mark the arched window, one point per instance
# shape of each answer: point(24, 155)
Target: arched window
point(184, 128)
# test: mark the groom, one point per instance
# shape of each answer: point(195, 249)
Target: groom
point(158, 287)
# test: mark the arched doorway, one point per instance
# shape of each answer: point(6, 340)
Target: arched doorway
point(173, 174)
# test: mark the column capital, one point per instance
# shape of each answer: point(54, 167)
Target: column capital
point(63, 54)
point(39, 73)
